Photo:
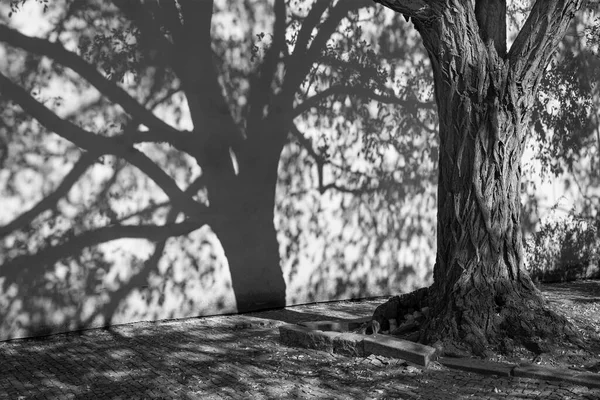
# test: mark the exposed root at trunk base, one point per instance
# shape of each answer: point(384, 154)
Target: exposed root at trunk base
point(484, 324)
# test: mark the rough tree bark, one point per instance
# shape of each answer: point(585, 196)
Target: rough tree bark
point(482, 298)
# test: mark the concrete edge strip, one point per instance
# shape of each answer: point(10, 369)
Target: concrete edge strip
point(478, 366)
point(353, 344)
point(533, 371)
point(522, 371)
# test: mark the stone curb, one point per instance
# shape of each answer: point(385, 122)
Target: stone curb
point(329, 336)
point(336, 326)
point(478, 366)
point(355, 344)
point(522, 371)
point(389, 346)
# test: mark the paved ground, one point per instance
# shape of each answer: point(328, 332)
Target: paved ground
point(236, 357)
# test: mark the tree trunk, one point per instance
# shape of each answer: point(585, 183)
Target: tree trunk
point(246, 228)
point(250, 243)
point(241, 201)
point(482, 296)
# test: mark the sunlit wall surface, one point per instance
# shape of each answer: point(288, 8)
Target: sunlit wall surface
point(325, 146)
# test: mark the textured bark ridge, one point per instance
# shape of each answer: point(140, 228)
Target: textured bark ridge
point(482, 299)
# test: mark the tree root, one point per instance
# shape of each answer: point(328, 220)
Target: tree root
point(482, 326)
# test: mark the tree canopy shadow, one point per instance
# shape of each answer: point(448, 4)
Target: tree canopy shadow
point(285, 155)
point(277, 172)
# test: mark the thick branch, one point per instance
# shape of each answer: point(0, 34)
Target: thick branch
point(91, 142)
point(261, 85)
point(545, 27)
point(182, 141)
point(65, 186)
point(415, 9)
point(208, 106)
point(71, 60)
point(314, 101)
point(168, 14)
point(491, 18)
point(299, 63)
point(308, 25)
point(74, 245)
point(197, 17)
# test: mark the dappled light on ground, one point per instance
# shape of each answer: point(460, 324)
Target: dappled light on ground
point(235, 357)
point(300, 168)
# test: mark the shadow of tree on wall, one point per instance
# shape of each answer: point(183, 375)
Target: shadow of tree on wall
point(271, 160)
point(566, 140)
point(171, 159)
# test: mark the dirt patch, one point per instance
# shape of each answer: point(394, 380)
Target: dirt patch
point(579, 302)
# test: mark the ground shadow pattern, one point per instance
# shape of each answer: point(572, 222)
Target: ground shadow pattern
point(235, 357)
point(349, 202)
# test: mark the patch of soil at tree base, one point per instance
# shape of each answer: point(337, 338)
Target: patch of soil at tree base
point(401, 316)
point(579, 302)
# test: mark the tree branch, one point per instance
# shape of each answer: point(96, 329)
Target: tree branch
point(191, 59)
point(71, 60)
point(208, 106)
point(153, 103)
point(308, 25)
point(314, 101)
point(261, 85)
point(169, 15)
point(415, 9)
point(51, 254)
point(343, 189)
point(50, 201)
point(321, 161)
point(544, 28)
point(91, 142)
point(491, 18)
point(191, 190)
point(299, 63)
point(151, 33)
point(306, 143)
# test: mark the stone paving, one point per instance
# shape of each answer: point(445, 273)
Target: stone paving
point(236, 357)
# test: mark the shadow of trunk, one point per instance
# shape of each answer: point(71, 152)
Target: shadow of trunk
point(250, 243)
